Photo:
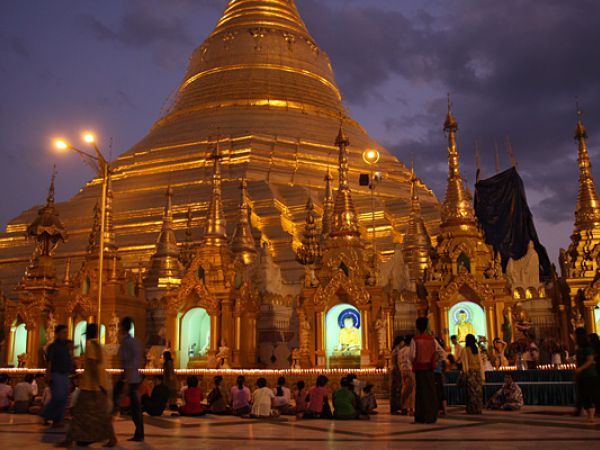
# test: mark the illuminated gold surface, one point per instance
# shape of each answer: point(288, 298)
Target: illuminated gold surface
point(276, 113)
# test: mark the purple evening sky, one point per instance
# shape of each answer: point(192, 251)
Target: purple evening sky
point(513, 67)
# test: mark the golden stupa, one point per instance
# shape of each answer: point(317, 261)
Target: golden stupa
point(262, 87)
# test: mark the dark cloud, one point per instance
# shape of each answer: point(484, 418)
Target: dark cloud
point(514, 68)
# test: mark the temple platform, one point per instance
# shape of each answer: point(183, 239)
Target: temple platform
point(532, 428)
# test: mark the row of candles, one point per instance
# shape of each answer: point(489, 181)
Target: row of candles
point(273, 372)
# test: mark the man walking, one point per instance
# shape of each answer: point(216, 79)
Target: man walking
point(59, 367)
point(130, 354)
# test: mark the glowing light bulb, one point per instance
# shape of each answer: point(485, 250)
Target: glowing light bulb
point(61, 145)
point(371, 156)
point(89, 138)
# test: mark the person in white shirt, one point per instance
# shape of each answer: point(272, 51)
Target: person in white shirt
point(6, 392)
point(283, 398)
point(262, 400)
point(408, 377)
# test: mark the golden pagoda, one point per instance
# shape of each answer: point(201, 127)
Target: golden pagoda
point(261, 84)
point(579, 263)
point(466, 288)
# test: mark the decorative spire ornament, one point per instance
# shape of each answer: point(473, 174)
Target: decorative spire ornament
point(215, 231)
point(310, 250)
point(242, 242)
point(327, 205)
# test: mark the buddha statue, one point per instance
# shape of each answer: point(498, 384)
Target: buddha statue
point(349, 340)
point(463, 327)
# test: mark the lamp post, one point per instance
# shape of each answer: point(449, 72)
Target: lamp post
point(371, 157)
point(99, 163)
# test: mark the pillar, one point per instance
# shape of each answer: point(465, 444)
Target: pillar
point(590, 325)
point(365, 357)
point(33, 344)
point(172, 334)
point(564, 325)
point(249, 352)
point(215, 335)
point(510, 322)
point(389, 321)
point(70, 327)
point(490, 315)
point(237, 342)
point(10, 353)
point(445, 331)
point(320, 338)
point(227, 323)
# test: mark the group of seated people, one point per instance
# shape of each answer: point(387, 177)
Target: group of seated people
point(25, 397)
point(354, 399)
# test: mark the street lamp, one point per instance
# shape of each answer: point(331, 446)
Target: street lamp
point(371, 157)
point(99, 163)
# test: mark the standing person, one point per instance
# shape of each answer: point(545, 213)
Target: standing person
point(130, 354)
point(170, 380)
point(396, 378)
point(425, 352)
point(456, 347)
point(473, 369)
point(438, 376)
point(586, 374)
point(59, 366)
point(408, 377)
point(240, 398)
point(91, 419)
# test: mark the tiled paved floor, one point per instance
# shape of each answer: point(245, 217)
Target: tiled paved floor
point(533, 428)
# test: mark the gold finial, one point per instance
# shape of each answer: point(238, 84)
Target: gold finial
point(50, 198)
point(327, 205)
point(310, 251)
point(457, 208)
point(587, 213)
point(345, 221)
point(215, 231)
point(242, 242)
point(67, 277)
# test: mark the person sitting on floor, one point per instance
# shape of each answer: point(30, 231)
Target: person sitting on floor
point(23, 395)
point(218, 400)
point(345, 406)
point(508, 398)
point(283, 398)
point(240, 398)
point(300, 396)
point(262, 400)
point(156, 403)
point(318, 400)
point(6, 393)
point(368, 403)
point(192, 396)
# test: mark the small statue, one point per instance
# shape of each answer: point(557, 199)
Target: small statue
point(577, 321)
point(113, 329)
point(296, 358)
point(523, 324)
point(22, 360)
point(50, 329)
point(381, 328)
point(223, 356)
point(304, 332)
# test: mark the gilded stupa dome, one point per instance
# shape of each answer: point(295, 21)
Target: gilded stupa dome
point(262, 90)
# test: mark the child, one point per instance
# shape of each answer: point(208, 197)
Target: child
point(262, 400)
point(240, 398)
point(6, 393)
point(318, 403)
point(23, 395)
point(193, 399)
point(368, 403)
point(300, 396)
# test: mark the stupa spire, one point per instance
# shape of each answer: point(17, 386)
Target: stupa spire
point(67, 277)
point(187, 252)
point(281, 14)
point(344, 218)
point(327, 205)
point(587, 213)
point(417, 242)
point(310, 250)
point(242, 242)
point(457, 208)
point(165, 268)
point(215, 231)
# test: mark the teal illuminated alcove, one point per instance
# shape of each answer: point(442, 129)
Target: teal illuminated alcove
point(195, 335)
point(338, 342)
point(79, 337)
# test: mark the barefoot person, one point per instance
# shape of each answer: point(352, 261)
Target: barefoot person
point(130, 354)
point(90, 416)
point(60, 366)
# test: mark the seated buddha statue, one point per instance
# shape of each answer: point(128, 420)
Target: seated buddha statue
point(463, 327)
point(349, 339)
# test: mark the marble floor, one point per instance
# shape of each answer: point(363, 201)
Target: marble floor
point(532, 428)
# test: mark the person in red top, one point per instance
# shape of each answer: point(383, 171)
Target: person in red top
point(425, 352)
point(318, 400)
point(193, 399)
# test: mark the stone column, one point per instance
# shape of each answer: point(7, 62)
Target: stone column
point(237, 342)
point(10, 350)
point(590, 322)
point(227, 322)
point(365, 356)
point(33, 345)
point(445, 331)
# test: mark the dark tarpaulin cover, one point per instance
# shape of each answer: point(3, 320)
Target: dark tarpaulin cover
point(502, 210)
